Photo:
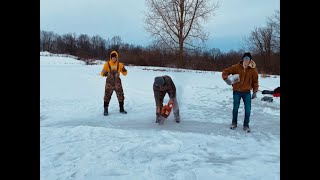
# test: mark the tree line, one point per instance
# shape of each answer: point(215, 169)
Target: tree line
point(263, 43)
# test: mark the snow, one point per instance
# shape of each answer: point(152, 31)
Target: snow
point(78, 142)
point(46, 53)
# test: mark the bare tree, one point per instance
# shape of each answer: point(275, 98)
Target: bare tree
point(46, 40)
point(178, 23)
point(215, 53)
point(70, 40)
point(83, 46)
point(102, 48)
point(115, 43)
point(83, 42)
point(60, 45)
point(260, 42)
point(98, 47)
point(41, 41)
point(108, 44)
point(274, 22)
point(54, 47)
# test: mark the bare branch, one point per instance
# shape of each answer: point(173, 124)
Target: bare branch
point(179, 22)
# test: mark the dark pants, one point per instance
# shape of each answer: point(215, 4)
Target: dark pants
point(246, 97)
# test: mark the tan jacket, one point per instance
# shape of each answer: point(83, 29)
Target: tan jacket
point(248, 77)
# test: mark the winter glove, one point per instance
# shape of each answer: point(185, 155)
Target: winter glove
point(171, 100)
point(104, 74)
point(228, 81)
point(254, 95)
point(123, 69)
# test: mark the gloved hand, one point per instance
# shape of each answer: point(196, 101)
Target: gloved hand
point(123, 69)
point(228, 81)
point(104, 74)
point(171, 101)
point(254, 95)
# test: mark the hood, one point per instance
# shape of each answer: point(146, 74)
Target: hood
point(252, 64)
point(115, 53)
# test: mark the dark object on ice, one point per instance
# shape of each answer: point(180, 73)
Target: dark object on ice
point(267, 92)
point(275, 92)
point(267, 98)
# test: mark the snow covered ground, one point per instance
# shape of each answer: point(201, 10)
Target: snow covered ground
point(78, 142)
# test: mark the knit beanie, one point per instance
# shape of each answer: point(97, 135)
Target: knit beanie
point(246, 54)
point(159, 81)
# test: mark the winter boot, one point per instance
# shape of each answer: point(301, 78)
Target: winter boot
point(233, 126)
point(176, 115)
point(177, 120)
point(121, 108)
point(105, 109)
point(158, 119)
point(246, 128)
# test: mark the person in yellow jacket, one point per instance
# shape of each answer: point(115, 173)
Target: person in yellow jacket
point(111, 70)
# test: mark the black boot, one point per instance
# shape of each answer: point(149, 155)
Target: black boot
point(105, 109)
point(121, 108)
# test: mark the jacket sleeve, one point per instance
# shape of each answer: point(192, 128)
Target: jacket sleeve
point(172, 89)
point(156, 93)
point(122, 69)
point(255, 80)
point(105, 70)
point(227, 71)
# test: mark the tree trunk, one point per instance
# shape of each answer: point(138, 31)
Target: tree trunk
point(181, 33)
point(181, 62)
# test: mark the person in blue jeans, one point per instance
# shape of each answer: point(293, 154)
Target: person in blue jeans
point(248, 80)
point(246, 97)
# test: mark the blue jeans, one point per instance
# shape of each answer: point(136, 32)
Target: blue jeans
point(246, 96)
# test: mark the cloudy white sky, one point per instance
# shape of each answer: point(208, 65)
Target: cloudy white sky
point(125, 18)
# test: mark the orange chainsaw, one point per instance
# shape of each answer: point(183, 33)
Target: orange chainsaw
point(166, 109)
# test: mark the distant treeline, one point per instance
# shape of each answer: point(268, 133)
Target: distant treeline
point(95, 47)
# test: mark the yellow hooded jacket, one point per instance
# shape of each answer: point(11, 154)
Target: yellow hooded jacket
point(114, 66)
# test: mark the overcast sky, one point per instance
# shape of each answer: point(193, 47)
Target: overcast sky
point(125, 18)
